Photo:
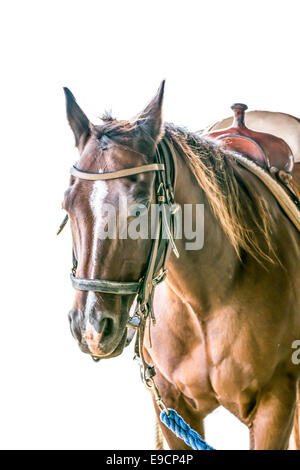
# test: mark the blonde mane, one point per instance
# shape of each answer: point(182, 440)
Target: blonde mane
point(241, 212)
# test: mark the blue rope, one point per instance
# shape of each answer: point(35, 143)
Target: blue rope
point(182, 430)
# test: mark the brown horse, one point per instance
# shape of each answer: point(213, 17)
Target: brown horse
point(228, 313)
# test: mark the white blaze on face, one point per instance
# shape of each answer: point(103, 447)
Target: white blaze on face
point(97, 197)
point(90, 302)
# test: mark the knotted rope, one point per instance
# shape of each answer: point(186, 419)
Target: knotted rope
point(182, 430)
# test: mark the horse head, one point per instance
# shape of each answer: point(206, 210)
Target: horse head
point(97, 209)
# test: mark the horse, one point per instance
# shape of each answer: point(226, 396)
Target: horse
point(228, 313)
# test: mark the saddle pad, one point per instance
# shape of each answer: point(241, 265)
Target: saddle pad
point(276, 189)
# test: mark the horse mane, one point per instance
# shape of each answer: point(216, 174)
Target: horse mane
point(236, 204)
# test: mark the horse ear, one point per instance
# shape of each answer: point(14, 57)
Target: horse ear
point(77, 119)
point(150, 119)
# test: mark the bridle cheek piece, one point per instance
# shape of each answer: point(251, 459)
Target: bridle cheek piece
point(156, 271)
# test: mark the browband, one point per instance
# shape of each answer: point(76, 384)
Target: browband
point(84, 175)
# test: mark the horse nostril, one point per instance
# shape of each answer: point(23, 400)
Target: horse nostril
point(102, 324)
point(70, 316)
point(106, 327)
point(74, 325)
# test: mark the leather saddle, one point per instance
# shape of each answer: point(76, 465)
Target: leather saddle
point(268, 151)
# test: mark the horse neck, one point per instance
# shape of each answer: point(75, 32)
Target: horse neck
point(200, 277)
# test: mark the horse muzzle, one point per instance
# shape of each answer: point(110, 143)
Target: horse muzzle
point(100, 336)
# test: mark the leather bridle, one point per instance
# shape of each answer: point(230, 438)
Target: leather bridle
point(164, 166)
point(156, 271)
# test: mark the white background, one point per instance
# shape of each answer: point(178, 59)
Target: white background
point(112, 55)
